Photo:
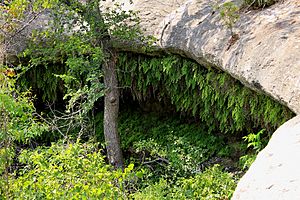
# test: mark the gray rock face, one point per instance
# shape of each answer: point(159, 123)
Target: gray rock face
point(266, 57)
point(275, 174)
point(16, 43)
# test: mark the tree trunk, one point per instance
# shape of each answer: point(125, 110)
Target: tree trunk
point(111, 110)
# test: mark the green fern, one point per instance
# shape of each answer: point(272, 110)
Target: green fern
point(221, 102)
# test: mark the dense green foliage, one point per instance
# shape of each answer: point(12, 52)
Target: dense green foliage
point(172, 158)
point(66, 58)
point(221, 102)
point(213, 183)
point(17, 122)
point(43, 81)
point(166, 167)
point(199, 91)
point(73, 58)
point(17, 109)
point(67, 171)
point(192, 89)
point(73, 47)
point(183, 145)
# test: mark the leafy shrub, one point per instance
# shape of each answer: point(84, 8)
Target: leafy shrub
point(67, 171)
point(213, 183)
point(257, 141)
point(173, 149)
point(17, 119)
point(158, 190)
point(78, 170)
point(18, 123)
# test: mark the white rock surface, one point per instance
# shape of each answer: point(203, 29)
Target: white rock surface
point(275, 174)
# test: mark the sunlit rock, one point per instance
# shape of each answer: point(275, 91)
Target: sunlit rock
point(275, 174)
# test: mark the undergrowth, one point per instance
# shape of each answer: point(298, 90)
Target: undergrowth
point(164, 156)
point(175, 157)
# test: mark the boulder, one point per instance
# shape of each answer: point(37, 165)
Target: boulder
point(275, 174)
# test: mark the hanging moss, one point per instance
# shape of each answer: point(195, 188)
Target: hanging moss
point(221, 102)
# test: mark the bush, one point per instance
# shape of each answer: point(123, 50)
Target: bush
point(67, 171)
point(18, 124)
point(79, 171)
point(158, 190)
point(256, 142)
point(213, 183)
point(170, 148)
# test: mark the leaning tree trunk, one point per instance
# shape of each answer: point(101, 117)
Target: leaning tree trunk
point(111, 110)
